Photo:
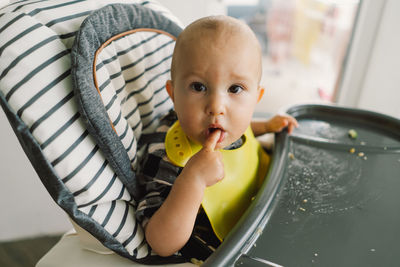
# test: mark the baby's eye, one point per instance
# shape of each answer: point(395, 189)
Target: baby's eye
point(198, 87)
point(235, 89)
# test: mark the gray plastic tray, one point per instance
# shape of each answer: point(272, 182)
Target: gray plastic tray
point(323, 204)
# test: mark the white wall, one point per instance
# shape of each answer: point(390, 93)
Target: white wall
point(381, 90)
point(26, 208)
point(189, 10)
point(371, 79)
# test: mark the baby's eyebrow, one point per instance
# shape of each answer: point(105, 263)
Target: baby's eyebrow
point(241, 77)
point(192, 76)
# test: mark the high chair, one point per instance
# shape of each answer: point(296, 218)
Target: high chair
point(118, 54)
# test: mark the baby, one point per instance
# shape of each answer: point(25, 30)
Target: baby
point(215, 86)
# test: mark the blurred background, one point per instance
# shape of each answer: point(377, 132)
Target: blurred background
point(304, 44)
point(340, 52)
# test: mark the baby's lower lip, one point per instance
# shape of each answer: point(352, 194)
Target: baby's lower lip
point(221, 137)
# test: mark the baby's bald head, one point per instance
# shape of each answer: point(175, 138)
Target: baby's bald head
point(215, 32)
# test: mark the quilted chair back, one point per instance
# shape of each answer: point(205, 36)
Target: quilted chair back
point(80, 81)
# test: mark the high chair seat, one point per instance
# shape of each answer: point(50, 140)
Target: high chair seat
point(87, 163)
point(77, 256)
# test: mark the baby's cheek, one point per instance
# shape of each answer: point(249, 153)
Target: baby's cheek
point(240, 128)
point(243, 119)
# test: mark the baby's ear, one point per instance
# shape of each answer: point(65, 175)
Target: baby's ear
point(170, 89)
point(260, 93)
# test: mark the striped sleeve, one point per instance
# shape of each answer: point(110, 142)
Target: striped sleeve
point(157, 174)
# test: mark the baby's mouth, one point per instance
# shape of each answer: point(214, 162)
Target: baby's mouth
point(211, 130)
point(214, 128)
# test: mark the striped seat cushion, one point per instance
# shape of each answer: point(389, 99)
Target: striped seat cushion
point(90, 176)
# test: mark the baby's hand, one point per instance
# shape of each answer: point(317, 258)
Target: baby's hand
point(279, 122)
point(206, 166)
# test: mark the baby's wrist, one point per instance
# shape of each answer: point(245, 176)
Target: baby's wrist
point(192, 181)
point(266, 127)
point(198, 182)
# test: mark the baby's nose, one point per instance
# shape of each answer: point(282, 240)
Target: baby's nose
point(216, 105)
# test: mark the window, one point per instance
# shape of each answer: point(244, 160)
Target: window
point(304, 44)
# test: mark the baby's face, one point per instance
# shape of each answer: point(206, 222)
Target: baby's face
point(216, 86)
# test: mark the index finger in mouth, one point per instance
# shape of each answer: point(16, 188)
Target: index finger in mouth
point(212, 140)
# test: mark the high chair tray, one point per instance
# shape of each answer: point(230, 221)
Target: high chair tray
point(331, 198)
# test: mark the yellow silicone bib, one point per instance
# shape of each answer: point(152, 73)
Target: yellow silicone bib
point(245, 169)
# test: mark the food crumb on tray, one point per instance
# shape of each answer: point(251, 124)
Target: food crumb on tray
point(352, 133)
point(196, 261)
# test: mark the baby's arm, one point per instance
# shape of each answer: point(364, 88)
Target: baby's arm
point(274, 125)
point(170, 227)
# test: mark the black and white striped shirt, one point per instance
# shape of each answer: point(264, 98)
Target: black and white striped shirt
point(157, 174)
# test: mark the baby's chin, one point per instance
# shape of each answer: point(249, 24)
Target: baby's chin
point(224, 144)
